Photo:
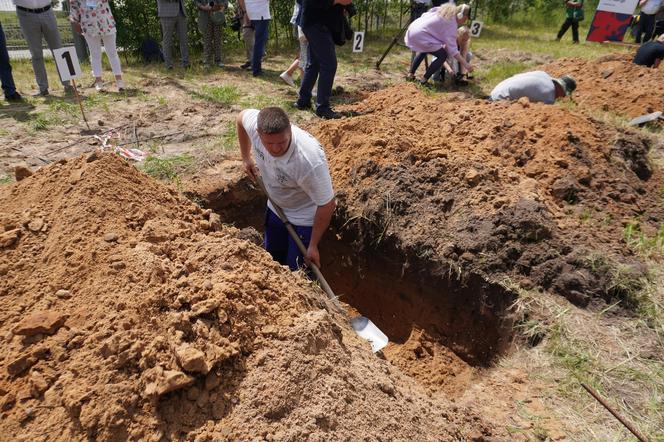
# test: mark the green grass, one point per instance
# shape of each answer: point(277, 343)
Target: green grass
point(5, 179)
point(642, 243)
point(226, 95)
point(228, 139)
point(497, 72)
point(169, 168)
point(40, 121)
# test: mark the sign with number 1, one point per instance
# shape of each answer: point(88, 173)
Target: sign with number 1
point(476, 29)
point(67, 62)
point(358, 41)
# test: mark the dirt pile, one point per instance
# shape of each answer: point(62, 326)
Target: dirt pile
point(509, 190)
point(132, 314)
point(613, 84)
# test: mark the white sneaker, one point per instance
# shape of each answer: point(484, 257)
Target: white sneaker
point(99, 86)
point(121, 85)
point(287, 79)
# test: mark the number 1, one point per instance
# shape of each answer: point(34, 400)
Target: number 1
point(70, 64)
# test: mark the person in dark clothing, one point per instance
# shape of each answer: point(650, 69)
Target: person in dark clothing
point(651, 53)
point(436, 3)
point(320, 21)
point(646, 25)
point(8, 86)
point(574, 14)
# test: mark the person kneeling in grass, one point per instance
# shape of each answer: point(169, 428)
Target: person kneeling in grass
point(538, 86)
point(294, 169)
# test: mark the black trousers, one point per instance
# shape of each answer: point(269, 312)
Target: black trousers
point(646, 26)
point(575, 29)
point(441, 56)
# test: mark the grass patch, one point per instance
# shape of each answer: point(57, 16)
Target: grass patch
point(226, 95)
point(5, 179)
point(228, 139)
point(642, 243)
point(170, 168)
point(40, 122)
point(499, 71)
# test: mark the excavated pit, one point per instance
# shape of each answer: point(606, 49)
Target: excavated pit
point(443, 326)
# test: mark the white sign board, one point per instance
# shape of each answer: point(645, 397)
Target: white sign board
point(67, 62)
point(476, 29)
point(618, 6)
point(358, 41)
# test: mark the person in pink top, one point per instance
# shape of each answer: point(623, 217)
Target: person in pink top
point(435, 33)
point(94, 20)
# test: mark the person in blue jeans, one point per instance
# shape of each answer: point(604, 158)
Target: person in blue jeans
point(317, 20)
point(8, 86)
point(258, 12)
point(294, 169)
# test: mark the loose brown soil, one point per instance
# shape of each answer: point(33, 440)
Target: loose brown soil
point(130, 313)
point(507, 190)
point(613, 84)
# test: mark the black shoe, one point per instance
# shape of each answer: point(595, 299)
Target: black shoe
point(328, 114)
point(302, 106)
point(43, 93)
point(14, 98)
point(245, 65)
point(459, 80)
point(257, 74)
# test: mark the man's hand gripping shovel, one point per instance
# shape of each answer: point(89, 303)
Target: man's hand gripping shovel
point(363, 326)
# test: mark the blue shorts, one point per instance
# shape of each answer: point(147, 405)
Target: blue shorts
point(280, 245)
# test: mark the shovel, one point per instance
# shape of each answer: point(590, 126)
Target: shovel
point(363, 326)
point(647, 118)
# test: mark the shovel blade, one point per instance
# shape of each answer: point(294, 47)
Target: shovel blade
point(367, 330)
point(643, 119)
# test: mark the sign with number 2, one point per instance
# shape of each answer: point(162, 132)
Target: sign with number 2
point(67, 62)
point(358, 41)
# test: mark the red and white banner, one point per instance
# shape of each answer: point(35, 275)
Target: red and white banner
point(611, 20)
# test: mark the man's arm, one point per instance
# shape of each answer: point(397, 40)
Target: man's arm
point(245, 148)
point(322, 220)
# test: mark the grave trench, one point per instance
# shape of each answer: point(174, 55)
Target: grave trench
point(443, 329)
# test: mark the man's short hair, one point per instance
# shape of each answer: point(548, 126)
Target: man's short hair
point(273, 120)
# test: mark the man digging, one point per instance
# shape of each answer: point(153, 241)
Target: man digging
point(294, 169)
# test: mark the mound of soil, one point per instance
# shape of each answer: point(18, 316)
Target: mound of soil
point(507, 190)
point(132, 314)
point(613, 83)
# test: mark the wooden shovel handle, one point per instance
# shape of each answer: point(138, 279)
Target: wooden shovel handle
point(321, 279)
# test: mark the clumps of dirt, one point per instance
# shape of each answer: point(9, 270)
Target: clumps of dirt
point(523, 191)
point(613, 84)
point(131, 313)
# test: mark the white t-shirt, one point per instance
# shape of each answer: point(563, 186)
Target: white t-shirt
point(298, 181)
point(538, 86)
point(258, 9)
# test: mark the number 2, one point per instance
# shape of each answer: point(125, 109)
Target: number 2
point(70, 64)
point(358, 42)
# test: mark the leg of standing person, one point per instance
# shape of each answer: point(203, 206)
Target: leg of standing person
point(113, 58)
point(167, 29)
point(648, 27)
point(261, 28)
point(323, 64)
point(417, 61)
point(248, 36)
point(31, 28)
point(575, 31)
point(275, 238)
point(205, 28)
point(311, 71)
point(216, 42)
point(6, 77)
point(182, 38)
point(566, 24)
point(94, 46)
point(52, 36)
point(441, 56)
